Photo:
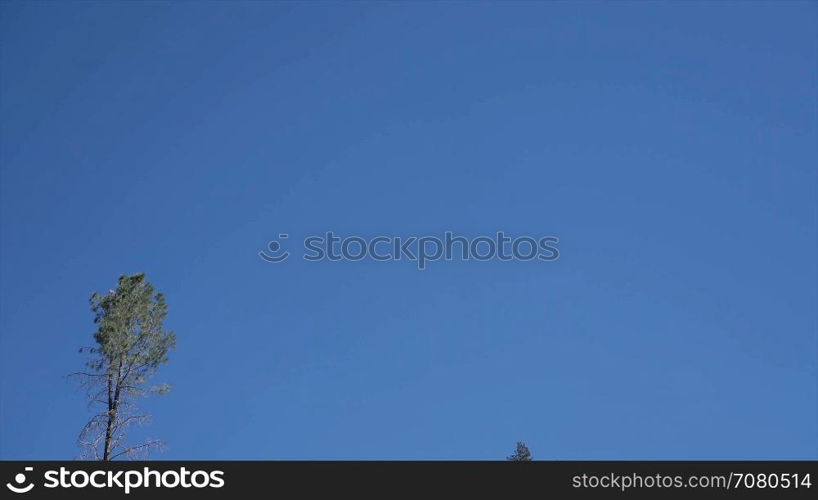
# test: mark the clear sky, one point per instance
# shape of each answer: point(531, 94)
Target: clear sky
point(672, 147)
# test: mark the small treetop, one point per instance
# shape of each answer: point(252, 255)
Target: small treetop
point(522, 454)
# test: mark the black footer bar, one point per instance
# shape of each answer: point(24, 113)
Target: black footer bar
point(285, 479)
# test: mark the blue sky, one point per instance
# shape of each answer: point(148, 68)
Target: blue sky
point(670, 146)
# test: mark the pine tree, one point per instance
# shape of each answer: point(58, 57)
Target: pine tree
point(130, 346)
point(522, 454)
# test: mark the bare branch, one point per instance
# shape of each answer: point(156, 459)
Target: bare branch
point(140, 450)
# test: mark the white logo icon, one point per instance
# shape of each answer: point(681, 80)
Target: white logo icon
point(20, 479)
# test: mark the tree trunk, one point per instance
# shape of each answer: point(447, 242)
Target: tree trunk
point(109, 425)
point(113, 406)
